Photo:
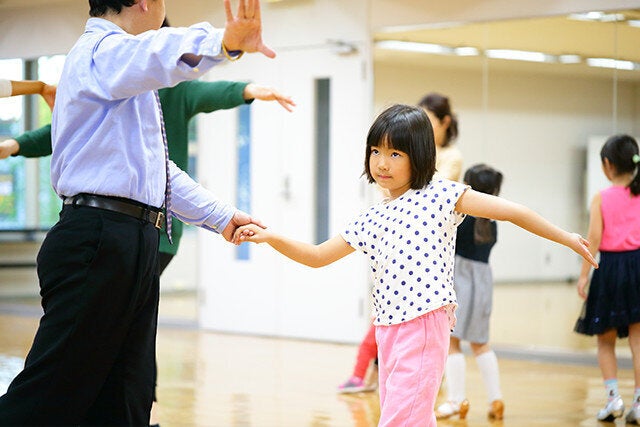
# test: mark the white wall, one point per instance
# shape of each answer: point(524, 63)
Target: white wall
point(535, 130)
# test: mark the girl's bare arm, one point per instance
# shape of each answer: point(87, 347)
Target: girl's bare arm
point(305, 253)
point(487, 206)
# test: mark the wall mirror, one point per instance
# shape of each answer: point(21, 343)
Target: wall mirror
point(532, 95)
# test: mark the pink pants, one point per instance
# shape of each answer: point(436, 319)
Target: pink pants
point(411, 359)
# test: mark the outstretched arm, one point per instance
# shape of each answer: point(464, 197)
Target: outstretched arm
point(594, 236)
point(264, 93)
point(34, 143)
point(28, 87)
point(487, 206)
point(305, 253)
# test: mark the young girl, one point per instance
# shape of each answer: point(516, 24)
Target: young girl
point(613, 305)
point(448, 165)
point(473, 283)
point(410, 241)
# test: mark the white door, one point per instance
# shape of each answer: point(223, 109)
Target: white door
point(299, 187)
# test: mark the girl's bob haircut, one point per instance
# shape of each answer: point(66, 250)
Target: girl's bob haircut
point(405, 128)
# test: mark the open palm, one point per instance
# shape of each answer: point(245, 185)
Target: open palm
point(244, 31)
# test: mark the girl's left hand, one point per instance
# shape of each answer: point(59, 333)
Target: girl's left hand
point(581, 246)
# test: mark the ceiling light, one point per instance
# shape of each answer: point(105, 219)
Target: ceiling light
point(569, 59)
point(634, 23)
point(613, 63)
point(519, 55)
point(415, 47)
point(466, 51)
point(597, 17)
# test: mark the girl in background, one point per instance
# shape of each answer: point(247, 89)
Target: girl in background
point(612, 307)
point(409, 239)
point(445, 131)
point(473, 283)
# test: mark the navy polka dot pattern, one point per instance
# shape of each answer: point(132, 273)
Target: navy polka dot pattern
point(410, 243)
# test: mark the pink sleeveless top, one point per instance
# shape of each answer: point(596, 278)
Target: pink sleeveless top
point(621, 220)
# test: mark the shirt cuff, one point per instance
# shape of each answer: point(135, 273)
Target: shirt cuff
point(5, 88)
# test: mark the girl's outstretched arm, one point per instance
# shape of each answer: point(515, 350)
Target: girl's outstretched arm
point(28, 87)
point(487, 206)
point(305, 253)
point(594, 236)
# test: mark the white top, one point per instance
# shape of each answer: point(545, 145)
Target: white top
point(448, 162)
point(410, 242)
point(5, 88)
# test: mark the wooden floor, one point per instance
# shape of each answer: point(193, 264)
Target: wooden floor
point(210, 379)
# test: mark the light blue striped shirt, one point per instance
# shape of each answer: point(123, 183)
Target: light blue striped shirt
point(106, 134)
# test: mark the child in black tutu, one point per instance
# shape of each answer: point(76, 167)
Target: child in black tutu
point(612, 307)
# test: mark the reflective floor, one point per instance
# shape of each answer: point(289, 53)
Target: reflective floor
point(211, 379)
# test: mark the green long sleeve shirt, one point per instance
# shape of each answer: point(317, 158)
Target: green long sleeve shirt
point(179, 105)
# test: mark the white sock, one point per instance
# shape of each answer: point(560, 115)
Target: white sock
point(488, 365)
point(455, 370)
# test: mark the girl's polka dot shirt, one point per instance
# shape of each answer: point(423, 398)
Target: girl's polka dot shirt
point(410, 242)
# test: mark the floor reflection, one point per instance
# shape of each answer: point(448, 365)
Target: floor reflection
point(10, 366)
point(216, 380)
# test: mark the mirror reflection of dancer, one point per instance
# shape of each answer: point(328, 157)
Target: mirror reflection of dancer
point(409, 239)
point(612, 306)
point(473, 283)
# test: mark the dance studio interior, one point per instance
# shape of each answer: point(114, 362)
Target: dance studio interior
point(248, 338)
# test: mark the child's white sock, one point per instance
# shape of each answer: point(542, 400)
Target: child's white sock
point(455, 371)
point(611, 385)
point(488, 365)
point(636, 397)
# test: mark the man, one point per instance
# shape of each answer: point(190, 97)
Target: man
point(92, 360)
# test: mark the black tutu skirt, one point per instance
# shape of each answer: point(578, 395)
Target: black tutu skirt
point(613, 301)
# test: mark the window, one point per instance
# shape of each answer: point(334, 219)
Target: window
point(49, 71)
point(27, 199)
point(12, 171)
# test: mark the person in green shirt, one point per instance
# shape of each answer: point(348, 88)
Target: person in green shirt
point(179, 104)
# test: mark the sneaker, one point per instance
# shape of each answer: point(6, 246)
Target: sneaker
point(612, 410)
point(633, 417)
point(449, 409)
point(352, 385)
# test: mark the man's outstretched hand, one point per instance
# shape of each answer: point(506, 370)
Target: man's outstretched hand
point(244, 31)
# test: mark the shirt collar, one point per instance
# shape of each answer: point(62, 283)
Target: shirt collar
point(95, 25)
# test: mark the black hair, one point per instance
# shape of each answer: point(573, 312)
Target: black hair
point(101, 7)
point(165, 23)
point(622, 153)
point(405, 128)
point(484, 179)
point(440, 106)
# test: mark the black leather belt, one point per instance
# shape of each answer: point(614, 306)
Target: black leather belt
point(147, 213)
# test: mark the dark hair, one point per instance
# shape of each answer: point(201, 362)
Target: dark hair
point(101, 7)
point(484, 179)
point(441, 107)
point(405, 128)
point(165, 23)
point(622, 152)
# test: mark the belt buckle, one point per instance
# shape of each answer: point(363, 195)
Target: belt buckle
point(159, 220)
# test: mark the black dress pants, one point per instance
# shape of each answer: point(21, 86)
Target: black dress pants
point(92, 360)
